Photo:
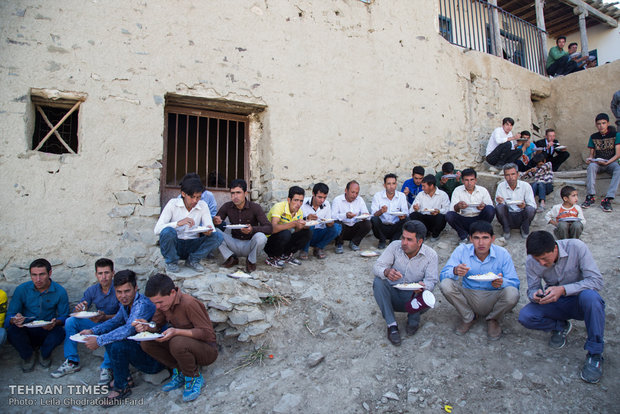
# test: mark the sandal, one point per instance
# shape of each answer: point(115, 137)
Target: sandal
point(130, 383)
point(116, 397)
point(318, 253)
point(303, 255)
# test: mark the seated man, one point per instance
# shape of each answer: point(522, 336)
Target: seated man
point(576, 57)
point(516, 206)
point(406, 261)
point(501, 148)
point(430, 207)
point(483, 298)
point(413, 186)
point(41, 299)
point(114, 332)
point(448, 178)
point(573, 282)
point(289, 234)
point(101, 295)
point(558, 61)
point(246, 242)
point(3, 305)
point(207, 196)
point(345, 209)
point(316, 207)
point(604, 146)
point(528, 148)
point(177, 227)
point(188, 342)
point(551, 151)
point(389, 209)
point(470, 202)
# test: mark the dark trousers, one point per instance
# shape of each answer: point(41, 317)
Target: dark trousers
point(392, 300)
point(25, 340)
point(384, 231)
point(286, 242)
point(354, 233)
point(503, 154)
point(557, 158)
point(435, 224)
point(562, 66)
point(515, 220)
point(125, 352)
point(185, 354)
point(461, 223)
point(524, 167)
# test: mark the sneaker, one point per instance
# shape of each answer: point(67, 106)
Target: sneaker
point(172, 267)
point(606, 205)
point(507, 236)
point(524, 235)
point(558, 338)
point(274, 262)
point(193, 385)
point(412, 329)
point(177, 380)
point(354, 246)
point(291, 259)
point(45, 362)
point(540, 209)
point(28, 364)
point(381, 245)
point(105, 376)
point(590, 199)
point(592, 370)
point(195, 265)
point(393, 335)
point(67, 367)
point(339, 249)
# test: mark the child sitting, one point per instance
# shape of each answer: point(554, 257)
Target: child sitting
point(543, 179)
point(567, 217)
point(525, 161)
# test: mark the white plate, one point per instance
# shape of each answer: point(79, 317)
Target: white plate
point(448, 176)
point(570, 219)
point(597, 159)
point(84, 314)
point(397, 213)
point(560, 147)
point(239, 275)
point(312, 223)
point(540, 148)
point(236, 226)
point(151, 337)
point(200, 229)
point(36, 324)
point(80, 338)
point(513, 202)
point(409, 286)
point(368, 253)
point(325, 221)
point(487, 277)
point(362, 216)
point(427, 212)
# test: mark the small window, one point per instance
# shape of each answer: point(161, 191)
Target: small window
point(56, 122)
point(445, 28)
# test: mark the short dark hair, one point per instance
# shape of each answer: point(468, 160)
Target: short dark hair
point(296, 190)
point(481, 226)
point(539, 242)
point(447, 167)
point(572, 44)
point(320, 188)
point(389, 175)
point(468, 172)
point(417, 227)
point(158, 284)
point(510, 166)
point(125, 276)
point(526, 133)
point(508, 120)
point(41, 263)
point(417, 170)
point(600, 116)
point(239, 183)
point(192, 186)
point(430, 179)
point(567, 190)
point(559, 38)
point(549, 130)
point(538, 158)
point(351, 182)
point(104, 262)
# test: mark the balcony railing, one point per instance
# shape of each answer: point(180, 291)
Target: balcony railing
point(478, 25)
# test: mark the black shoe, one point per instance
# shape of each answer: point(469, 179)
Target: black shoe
point(412, 329)
point(606, 205)
point(393, 335)
point(590, 199)
point(558, 338)
point(381, 244)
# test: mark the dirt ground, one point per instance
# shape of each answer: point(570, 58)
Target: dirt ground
point(330, 353)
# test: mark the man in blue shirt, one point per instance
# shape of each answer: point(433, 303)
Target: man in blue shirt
point(413, 186)
point(101, 295)
point(490, 298)
point(38, 300)
point(114, 332)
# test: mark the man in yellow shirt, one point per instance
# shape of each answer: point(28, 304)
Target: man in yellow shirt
point(3, 305)
point(290, 233)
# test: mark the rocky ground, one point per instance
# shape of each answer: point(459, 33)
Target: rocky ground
point(327, 351)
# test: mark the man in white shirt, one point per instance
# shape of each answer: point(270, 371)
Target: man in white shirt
point(316, 207)
point(516, 206)
point(180, 225)
point(501, 148)
point(389, 209)
point(430, 206)
point(345, 209)
point(470, 203)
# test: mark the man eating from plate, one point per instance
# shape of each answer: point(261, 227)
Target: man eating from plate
point(430, 206)
point(189, 341)
point(248, 241)
point(516, 206)
point(114, 334)
point(491, 296)
point(41, 299)
point(180, 226)
point(102, 295)
point(389, 210)
point(316, 207)
point(406, 261)
point(345, 209)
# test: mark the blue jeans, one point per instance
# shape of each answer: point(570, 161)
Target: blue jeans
point(73, 326)
point(125, 352)
point(173, 248)
point(26, 339)
point(587, 306)
point(542, 189)
point(322, 237)
point(392, 300)
point(2, 336)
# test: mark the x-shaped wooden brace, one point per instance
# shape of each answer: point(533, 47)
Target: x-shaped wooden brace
point(54, 128)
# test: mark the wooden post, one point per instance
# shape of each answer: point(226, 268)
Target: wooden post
point(540, 22)
point(496, 37)
point(583, 13)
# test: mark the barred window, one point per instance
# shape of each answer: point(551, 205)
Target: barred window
point(56, 122)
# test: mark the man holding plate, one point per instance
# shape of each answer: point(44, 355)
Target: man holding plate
point(101, 295)
point(489, 286)
point(389, 211)
point(317, 208)
point(406, 261)
point(350, 210)
point(516, 206)
point(430, 207)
